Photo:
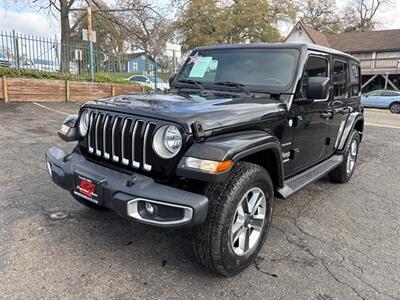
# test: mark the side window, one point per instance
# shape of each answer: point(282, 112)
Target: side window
point(339, 78)
point(389, 94)
point(355, 79)
point(374, 93)
point(135, 78)
point(316, 67)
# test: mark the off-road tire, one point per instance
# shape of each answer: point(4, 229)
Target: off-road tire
point(212, 243)
point(89, 204)
point(395, 108)
point(340, 174)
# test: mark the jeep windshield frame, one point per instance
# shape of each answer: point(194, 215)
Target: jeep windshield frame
point(268, 70)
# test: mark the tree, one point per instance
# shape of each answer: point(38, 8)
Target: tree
point(72, 15)
point(147, 29)
point(61, 10)
point(200, 23)
point(322, 15)
point(249, 21)
point(203, 22)
point(360, 14)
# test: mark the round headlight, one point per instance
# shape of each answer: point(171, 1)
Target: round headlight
point(167, 141)
point(84, 123)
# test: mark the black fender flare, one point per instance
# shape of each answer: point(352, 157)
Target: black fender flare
point(232, 146)
point(352, 120)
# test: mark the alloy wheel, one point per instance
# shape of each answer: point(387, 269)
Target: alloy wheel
point(395, 108)
point(248, 221)
point(351, 159)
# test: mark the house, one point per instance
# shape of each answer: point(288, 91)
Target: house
point(378, 51)
point(136, 63)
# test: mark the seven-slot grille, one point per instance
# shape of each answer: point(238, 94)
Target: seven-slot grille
point(120, 139)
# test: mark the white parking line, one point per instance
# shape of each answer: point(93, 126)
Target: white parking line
point(48, 108)
point(380, 125)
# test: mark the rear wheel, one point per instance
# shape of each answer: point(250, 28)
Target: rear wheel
point(238, 220)
point(395, 108)
point(345, 170)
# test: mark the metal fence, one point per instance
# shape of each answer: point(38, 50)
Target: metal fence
point(46, 54)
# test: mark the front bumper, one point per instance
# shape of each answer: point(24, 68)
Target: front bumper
point(121, 193)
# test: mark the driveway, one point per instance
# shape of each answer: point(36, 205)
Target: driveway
point(330, 241)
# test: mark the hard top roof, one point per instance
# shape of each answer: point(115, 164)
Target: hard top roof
point(300, 46)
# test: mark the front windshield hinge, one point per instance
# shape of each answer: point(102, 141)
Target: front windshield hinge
point(198, 131)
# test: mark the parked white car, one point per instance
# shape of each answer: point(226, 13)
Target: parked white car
point(149, 81)
point(41, 65)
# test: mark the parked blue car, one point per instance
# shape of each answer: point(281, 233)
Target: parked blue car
point(382, 99)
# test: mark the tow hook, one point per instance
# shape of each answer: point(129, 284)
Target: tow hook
point(131, 181)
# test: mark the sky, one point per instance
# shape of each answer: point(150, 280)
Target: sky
point(30, 20)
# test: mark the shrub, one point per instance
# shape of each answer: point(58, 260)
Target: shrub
point(27, 73)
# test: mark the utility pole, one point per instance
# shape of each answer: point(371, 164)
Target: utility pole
point(90, 38)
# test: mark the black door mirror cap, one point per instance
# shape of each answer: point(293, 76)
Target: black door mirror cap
point(318, 87)
point(171, 78)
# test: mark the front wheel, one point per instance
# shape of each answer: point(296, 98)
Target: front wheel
point(238, 220)
point(395, 108)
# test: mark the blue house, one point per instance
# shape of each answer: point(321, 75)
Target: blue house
point(135, 63)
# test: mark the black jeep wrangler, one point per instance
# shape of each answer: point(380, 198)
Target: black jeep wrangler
point(241, 124)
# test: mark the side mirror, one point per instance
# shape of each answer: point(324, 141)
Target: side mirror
point(69, 129)
point(318, 87)
point(171, 78)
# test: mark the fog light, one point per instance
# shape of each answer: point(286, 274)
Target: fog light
point(149, 208)
point(49, 167)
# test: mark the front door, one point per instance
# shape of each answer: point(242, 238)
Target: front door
point(310, 122)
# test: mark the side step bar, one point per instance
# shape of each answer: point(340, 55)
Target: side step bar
point(298, 182)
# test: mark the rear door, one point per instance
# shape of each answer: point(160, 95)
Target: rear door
point(388, 97)
point(339, 101)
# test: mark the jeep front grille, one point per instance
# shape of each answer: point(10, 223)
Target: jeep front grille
point(122, 140)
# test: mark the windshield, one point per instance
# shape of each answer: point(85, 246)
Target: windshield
point(257, 69)
point(44, 62)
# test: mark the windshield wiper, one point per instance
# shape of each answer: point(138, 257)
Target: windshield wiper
point(238, 85)
point(191, 81)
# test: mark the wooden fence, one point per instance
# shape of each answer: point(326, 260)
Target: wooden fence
point(38, 90)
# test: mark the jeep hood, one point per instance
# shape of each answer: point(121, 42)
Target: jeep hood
point(212, 112)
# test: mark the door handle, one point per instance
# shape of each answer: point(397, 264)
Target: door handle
point(336, 103)
point(343, 110)
point(326, 114)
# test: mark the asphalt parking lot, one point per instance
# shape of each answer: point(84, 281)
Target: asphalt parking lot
point(330, 241)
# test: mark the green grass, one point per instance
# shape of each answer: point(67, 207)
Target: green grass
point(99, 77)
